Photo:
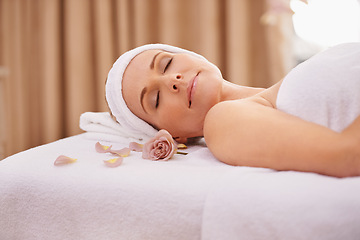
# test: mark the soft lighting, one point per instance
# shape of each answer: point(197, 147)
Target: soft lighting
point(327, 22)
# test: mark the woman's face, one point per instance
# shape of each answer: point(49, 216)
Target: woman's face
point(172, 91)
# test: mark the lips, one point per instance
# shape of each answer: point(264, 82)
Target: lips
point(191, 88)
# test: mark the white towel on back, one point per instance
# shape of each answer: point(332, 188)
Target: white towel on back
point(325, 89)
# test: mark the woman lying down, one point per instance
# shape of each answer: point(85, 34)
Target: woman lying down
point(309, 121)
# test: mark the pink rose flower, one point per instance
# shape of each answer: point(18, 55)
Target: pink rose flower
point(161, 147)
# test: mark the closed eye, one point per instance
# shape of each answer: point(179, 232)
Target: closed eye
point(157, 99)
point(168, 64)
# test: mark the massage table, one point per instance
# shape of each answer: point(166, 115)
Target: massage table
point(191, 196)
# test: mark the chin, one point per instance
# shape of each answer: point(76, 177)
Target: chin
point(209, 93)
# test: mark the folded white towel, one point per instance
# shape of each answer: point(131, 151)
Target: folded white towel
point(102, 127)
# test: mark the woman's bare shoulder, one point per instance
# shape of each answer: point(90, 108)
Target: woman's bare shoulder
point(226, 111)
point(234, 123)
point(225, 121)
point(249, 133)
point(236, 111)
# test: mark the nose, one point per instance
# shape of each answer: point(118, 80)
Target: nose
point(174, 82)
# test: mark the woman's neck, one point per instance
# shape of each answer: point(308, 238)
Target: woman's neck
point(231, 91)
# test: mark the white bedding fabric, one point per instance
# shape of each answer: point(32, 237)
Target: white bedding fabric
point(141, 199)
point(188, 197)
point(282, 205)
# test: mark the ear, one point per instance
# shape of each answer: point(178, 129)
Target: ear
point(181, 139)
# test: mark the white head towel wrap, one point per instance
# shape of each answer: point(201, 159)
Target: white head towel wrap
point(134, 126)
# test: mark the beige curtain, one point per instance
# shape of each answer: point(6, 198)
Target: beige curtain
point(55, 54)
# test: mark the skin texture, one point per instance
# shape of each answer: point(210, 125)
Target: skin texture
point(242, 120)
point(173, 112)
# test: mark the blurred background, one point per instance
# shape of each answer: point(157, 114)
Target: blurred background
point(55, 54)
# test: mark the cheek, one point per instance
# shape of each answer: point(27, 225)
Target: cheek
point(171, 113)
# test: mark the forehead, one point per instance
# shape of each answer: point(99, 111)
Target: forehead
point(135, 79)
point(137, 70)
point(142, 60)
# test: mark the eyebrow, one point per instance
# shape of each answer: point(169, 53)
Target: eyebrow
point(153, 60)
point(142, 98)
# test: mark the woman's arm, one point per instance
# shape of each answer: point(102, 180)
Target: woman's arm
point(247, 133)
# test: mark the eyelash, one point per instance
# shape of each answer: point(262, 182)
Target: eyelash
point(158, 93)
point(157, 99)
point(168, 64)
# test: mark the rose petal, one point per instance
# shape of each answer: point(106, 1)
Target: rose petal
point(62, 160)
point(115, 162)
point(137, 147)
point(122, 152)
point(102, 148)
point(181, 146)
point(164, 133)
point(182, 153)
point(145, 154)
